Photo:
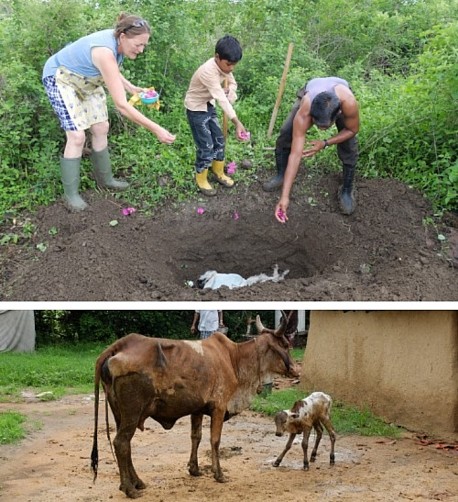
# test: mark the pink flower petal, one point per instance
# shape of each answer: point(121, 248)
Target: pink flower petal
point(245, 136)
point(126, 211)
point(200, 210)
point(231, 167)
point(235, 215)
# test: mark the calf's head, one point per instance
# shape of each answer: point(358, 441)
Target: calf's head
point(280, 422)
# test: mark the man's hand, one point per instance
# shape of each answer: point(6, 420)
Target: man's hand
point(316, 146)
point(280, 210)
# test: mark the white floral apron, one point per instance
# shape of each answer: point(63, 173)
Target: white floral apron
point(84, 98)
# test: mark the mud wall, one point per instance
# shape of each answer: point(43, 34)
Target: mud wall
point(402, 365)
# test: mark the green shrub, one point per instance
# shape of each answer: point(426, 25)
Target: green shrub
point(399, 57)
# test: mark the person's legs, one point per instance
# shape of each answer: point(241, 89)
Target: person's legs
point(283, 146)
point(348, 155)
point(100, 158)
point(199, 123)
point(70, 166)
point(70, 163)
point(218, 150)
point(99, 133)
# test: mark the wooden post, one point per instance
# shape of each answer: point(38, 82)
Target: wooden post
point(280, 90)
point(225, 114)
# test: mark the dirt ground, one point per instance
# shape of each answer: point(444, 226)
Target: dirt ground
point(383, 252)
point(52, 464)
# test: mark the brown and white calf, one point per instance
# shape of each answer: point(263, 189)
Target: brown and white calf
point(312, 411)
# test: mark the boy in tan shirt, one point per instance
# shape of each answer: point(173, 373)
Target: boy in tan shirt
point(204, 90)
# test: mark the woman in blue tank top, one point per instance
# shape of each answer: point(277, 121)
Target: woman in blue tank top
point(75, 78)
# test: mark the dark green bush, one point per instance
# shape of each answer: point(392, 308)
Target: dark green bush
point(400, 58)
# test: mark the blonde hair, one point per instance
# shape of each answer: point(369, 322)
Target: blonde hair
point(131, 25)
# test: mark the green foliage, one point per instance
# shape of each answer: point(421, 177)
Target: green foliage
point(11, 427)
point(346, 419)
point(57, 327)
point(400, 58)
point(59, 370)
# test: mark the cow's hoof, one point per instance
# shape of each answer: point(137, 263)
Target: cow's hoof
point(132, 493)
point(140, 485)
point(276, 463)
point(194, 472)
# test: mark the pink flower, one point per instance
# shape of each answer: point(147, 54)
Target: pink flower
point(245, 136)
point(231, 167)
point(235, 215)
point(126, 211)
point(281, 215)
point(200, 210)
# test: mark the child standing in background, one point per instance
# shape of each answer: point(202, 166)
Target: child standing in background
point(204, 89)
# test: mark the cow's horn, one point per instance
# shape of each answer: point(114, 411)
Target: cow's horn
point(259, 325)
point(280, 331)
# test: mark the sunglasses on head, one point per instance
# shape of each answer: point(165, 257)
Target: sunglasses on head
point(140, 23)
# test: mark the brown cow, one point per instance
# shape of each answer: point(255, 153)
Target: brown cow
point(168, 379)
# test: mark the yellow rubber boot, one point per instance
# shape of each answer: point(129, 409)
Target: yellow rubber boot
point(203, 184)
point(218, 171)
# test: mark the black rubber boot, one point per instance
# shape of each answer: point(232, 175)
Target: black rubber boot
point(276, 182)
point(347, 199)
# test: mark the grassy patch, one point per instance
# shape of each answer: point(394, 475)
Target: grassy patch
point(60, 370)
point(11, 427)
point(346, 419)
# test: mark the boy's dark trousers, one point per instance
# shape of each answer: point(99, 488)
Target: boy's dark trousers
point(208, 137)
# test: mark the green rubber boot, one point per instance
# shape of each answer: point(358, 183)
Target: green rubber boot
point(103, 173)
point(70, 174)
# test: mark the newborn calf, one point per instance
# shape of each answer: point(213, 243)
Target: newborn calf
point(214, 280)
point(312, 411)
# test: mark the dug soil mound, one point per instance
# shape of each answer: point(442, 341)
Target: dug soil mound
point(390, 249)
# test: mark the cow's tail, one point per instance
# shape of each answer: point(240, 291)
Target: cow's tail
point(95, 449)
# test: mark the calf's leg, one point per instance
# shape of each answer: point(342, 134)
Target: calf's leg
point(332, 436)
point(305, 442)
point(286, 449)
point(319, 433)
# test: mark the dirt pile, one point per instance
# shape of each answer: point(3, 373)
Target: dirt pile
point(383, 252)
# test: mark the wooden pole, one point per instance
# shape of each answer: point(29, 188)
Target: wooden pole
point(280, 90)
point(225, 114)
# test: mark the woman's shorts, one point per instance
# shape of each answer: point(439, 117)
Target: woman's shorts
point(58, 104)
point(78, 102)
